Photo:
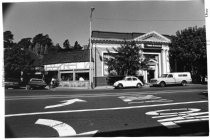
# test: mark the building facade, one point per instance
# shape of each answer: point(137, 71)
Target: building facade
point(154, 46)
point(72, 69)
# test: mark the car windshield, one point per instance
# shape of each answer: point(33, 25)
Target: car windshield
point(127, 78)
point(164, 75)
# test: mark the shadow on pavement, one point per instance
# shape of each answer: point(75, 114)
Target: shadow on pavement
point(188, 129)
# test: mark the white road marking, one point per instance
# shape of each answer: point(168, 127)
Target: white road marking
point(143, 99)
point(62, 128)
point(173, 118)
point(66, 102)
point(139, 97)
point(170, 124)
point(88, 133)
point(103, 109)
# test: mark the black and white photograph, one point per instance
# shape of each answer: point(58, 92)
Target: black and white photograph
point(105, 69)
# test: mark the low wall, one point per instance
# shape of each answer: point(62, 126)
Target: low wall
point(74, 84)
point(100, 81)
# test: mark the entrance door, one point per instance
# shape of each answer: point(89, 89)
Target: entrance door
point(151, 75)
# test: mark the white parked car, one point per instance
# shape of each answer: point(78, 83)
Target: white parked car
point(179, 78)
point(128, 81)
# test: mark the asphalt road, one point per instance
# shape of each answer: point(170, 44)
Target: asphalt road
point(170, 111)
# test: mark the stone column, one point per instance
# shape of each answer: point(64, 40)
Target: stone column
point(163, 55)
point(59, 75)
point(167, 61)
point(159, 65)
point(156, 70)
point(145, 76)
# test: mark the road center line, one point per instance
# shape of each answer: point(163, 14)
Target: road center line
point(101, 109)
point(92, 95)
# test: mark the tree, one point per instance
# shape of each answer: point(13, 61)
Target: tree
point(58, 47)
point(8, 39)
point(45, 49)
point(126, 60)
point(188, 51)
point(16, 56)
point(15, 61)
point(66, 44)
point(40, 42)
point(25, 43)
point(77, 46)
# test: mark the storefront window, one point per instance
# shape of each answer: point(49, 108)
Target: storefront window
point(67, 76)
point(82, 76)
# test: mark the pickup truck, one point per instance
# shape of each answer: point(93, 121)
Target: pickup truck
point(175, 78)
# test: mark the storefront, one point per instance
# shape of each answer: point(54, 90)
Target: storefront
point(70, 68)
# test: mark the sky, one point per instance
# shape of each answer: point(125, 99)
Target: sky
point(70, 20)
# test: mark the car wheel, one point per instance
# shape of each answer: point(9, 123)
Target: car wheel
point(184, 83)
point(139, 85)
point(120, 86)
point(162, 84)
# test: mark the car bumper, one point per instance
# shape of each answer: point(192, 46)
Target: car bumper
point(154, 84)
point(115, 84)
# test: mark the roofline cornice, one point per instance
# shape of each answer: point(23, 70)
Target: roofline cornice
point(120, 41)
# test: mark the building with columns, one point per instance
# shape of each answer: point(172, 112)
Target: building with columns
point(154, 46)
point(70, 67)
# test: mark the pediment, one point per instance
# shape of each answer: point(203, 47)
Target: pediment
point(152, 37)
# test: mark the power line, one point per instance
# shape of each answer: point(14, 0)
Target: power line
point(146, 20)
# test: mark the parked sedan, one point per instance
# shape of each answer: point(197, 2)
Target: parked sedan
point(12, 83)
point(36, 83)
point(128, 81)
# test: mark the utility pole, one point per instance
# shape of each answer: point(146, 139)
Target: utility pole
point(90, 48)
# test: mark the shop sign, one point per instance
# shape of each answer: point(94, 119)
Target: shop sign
point(67, 66)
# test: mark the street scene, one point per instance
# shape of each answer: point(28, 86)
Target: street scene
point(105, 69)
point(108, 112)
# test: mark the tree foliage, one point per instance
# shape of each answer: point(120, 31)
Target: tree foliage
point(8, 39)
point(126, 60)
point(77, 46)
point(25, 43)
point(42, 44)
point(16, 60)
point(188, 51)
point(16, 56)
point(66, 45)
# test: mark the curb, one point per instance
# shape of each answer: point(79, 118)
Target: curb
point(84, 88)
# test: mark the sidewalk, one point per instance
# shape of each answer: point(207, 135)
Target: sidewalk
point(81, 88)
point(99, 87)
point(85, 88)
point(107, 87)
